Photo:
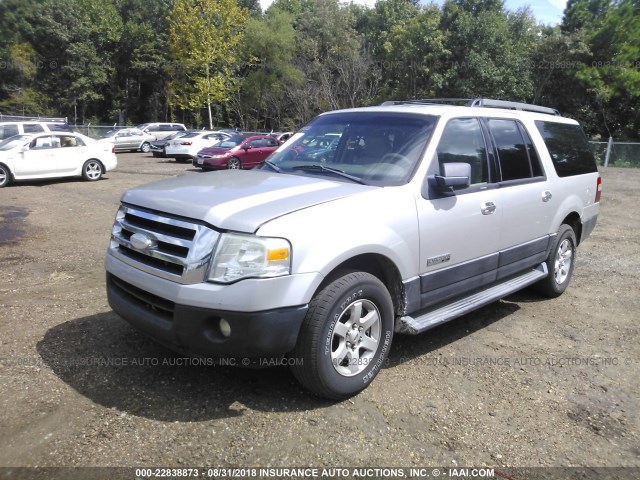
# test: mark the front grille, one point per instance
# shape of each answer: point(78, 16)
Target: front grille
point(168, 247)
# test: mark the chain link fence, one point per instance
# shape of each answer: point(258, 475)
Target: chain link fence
point(96, 131)
point(617, 154)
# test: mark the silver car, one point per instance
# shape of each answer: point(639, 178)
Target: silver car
point(423, 211)
point(129, 140)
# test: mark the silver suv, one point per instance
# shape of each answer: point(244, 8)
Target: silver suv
point(421, 212)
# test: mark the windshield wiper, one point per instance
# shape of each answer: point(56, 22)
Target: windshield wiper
point(322, 168)
point(273, 166)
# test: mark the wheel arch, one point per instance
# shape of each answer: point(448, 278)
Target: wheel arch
point(380, 267)
point(574, 221)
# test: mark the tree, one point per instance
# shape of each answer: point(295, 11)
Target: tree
point(204, 36)
point(490, 50)
point(579, 14)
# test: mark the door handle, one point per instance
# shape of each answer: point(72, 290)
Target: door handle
point(546, 196)
point(488, 208)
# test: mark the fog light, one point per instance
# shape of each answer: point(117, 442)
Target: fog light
point(225, 328)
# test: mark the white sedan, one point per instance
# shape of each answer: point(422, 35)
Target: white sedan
point(54, 154)
point(187, 146)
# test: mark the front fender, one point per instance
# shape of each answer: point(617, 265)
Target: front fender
point(382, 221)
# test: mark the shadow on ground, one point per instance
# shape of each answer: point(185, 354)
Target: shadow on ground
point(108, 361)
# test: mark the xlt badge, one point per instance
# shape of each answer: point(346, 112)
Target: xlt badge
point(439, 259)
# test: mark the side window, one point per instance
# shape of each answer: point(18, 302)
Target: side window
point(178, 128)
point(164, 128)
point(272, 142)
point(69, 141)
point(259, 143)
point(7, 131)
point(462, 141)
point(513, 150)
point(568, 148)
point(33, 128)
point(40, 143)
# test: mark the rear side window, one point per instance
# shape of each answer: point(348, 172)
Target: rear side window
point(568, 147)
point(33, 128)
point(58, 127)
point(516, 154)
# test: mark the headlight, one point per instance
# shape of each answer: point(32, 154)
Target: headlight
point(247, 256)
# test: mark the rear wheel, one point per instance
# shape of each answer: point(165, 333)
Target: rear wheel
point(5, 176)
point(234, 163)
point(560, 263)
point(145, 147)
point(92, 170)
point(345, 337)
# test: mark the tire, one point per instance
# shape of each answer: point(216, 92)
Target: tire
point(560, 263)
point(145, 147)
point(5, 176)
point(356, 308)
point(92, 170)
point(234, 164)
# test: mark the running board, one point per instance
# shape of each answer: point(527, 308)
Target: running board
point(413, 326)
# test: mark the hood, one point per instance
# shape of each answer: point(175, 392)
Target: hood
point(239, 200)
point(215, 151)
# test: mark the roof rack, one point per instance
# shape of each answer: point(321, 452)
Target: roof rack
point(33, 118)
point(478, 102)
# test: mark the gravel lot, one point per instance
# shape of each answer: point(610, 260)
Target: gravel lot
point(524, 382)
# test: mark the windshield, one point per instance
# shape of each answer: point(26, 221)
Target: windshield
point(231, 142)
point(13, 142)
point(377, 148)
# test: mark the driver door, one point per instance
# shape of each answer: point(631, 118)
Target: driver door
point(459, 230)
point(38, 160)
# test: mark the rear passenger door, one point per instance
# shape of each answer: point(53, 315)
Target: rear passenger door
point(528, 202)
point(460, 231)
point(71, 153)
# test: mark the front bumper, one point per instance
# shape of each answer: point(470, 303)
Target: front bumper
point(210, 163)
point(196, 331)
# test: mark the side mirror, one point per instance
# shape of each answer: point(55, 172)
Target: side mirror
point(247, 147)
point(452, 176)
point(24, 148)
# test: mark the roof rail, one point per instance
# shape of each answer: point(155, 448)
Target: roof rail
point(478, 102)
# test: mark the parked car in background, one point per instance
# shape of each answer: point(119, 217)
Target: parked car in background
point(158, 148)
point(9, 129)
point(236, 152)
point(54, 154)
point(282, 136)
point(128, 139)
point(160, 131)
point(187, 146)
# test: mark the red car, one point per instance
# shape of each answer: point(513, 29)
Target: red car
point(236, 152)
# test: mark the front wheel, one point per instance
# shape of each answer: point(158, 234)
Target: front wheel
point(345, 337)
point(234, 163)
point(560, 263)
point(92, 170)
point(5, 176)
point(145, 147)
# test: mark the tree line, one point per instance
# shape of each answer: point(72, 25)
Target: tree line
point(227, 63)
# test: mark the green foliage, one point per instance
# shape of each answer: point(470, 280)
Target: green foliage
point(129, 61)
point(204, 36)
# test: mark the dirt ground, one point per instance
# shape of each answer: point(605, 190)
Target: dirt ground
point(524, 382)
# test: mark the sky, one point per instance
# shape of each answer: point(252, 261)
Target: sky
point(546, 11)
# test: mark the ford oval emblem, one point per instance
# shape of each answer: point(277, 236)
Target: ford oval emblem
point(140, 241)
